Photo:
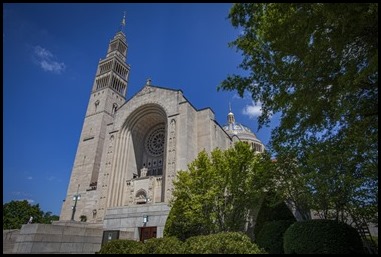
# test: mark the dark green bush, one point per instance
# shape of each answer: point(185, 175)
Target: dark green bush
point(322, 237)
point(164, 245)
point(221, 243)
point(269, 213)
point(177, 225)
point(122, 246)
point(270, 238)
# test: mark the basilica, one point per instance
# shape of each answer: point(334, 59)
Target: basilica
point(130, 151)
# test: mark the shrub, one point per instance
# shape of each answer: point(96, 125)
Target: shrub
point(322, 237)
point(181, 229)
point(164, 245)
point(270, 238)
point(269, 213)
point(122, 246)
point(179, 226)
point(221, 243)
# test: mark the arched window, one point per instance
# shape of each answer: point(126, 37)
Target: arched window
point(141, 197)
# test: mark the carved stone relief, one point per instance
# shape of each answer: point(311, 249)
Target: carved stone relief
point(146, 90)
point(171, 160)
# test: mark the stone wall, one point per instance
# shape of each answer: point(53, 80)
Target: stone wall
point(9, 239)
point(68, 237)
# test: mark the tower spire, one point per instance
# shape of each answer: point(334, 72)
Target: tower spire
point(231, 119)
point(123, 22)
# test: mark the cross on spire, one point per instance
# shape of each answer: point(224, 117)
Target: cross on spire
point(231, 119)
point(123, 22)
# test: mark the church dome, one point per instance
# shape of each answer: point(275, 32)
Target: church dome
point(243, 133)
point(237, 128)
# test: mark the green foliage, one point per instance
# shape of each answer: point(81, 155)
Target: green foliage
point(322, 76)
point(312, 73)
point(122, 246)
point(217, 194)
point(331, 179)
point(221, 243)
point(48, 218)
point(373, 238)
point(179, 226)
point(164, 245)
point(322, 237)
point(272, 212)
point(17, 213)
point(342, 181)
point(270, 238)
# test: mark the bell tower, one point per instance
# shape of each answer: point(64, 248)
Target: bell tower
point(107, 95)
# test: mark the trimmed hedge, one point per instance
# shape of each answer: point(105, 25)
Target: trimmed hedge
point(122, 246)
point(270, 238)
point(221, 243)
point(322, 237)
point(164, 245)
point(269, 213)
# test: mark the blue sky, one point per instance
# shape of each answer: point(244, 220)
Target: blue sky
point(50, 56)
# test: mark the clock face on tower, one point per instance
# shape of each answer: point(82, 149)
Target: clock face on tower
point(155, 142)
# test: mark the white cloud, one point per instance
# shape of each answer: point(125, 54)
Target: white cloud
point(52, 66)
point(42, 53)
point(19, 193)
point(30, 201)
point(46, 60)
point(253, 110)
point(29, 178)
point(236, 96)
point(51, 178)
point(246, 95)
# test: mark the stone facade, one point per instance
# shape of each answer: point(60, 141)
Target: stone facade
point(128, 219)
point(129, 152)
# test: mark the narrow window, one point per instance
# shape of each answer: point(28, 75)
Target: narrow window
point(114, 108)
point(96, 105)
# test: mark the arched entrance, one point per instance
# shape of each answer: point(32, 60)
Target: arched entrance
point(139, 160)
point(147, 131)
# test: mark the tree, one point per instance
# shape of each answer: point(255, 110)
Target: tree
point(17, 213)
point(328, 178)
point(217, 194)
point(343, 183)
point(49, 218)
point(271, 211)
point(317, 65)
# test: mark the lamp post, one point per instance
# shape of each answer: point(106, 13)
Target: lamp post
point(145, 219)
point(76, 197)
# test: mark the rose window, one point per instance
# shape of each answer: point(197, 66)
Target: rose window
point(155, 142)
